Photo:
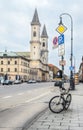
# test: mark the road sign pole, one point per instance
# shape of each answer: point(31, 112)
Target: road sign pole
point(72, 84)
point(62, 58)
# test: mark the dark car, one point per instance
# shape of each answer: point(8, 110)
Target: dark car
point(7, 82)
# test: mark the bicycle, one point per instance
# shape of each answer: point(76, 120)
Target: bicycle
point(60, 102)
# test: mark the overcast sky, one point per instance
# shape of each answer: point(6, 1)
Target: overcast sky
point(15, 28)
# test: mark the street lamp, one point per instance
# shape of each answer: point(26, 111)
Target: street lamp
point(72, 85)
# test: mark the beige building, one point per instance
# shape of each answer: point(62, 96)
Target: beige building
point(81, 71)
point(14, 66)
point(28, 65)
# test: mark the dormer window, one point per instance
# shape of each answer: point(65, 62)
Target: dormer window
point(5, 55)
point(34, 33)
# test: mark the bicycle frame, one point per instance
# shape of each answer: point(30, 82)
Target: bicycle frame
point(64, 92)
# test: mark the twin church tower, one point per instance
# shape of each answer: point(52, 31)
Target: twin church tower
point(39, 49)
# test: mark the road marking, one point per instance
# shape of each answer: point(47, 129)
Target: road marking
point(6, 97)
point(32, 99)
point(20, 93)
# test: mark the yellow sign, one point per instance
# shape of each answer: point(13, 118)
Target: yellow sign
point(61, 29)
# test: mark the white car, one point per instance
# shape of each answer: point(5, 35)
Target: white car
point(17, 81)
point(31, 81)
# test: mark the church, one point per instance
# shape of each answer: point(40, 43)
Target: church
point(28, 65)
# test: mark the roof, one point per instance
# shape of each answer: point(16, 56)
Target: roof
point(50, 65)
point(44, 32)
point(15, 54)
point(24, 54)
point(35, 20)
point(53, 66)
point(8, 54)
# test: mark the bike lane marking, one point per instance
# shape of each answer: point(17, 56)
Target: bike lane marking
point(6, 97)
point(32, 99)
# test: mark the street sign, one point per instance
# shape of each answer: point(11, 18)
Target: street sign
point(62, 62)
point(61, 29)
point(71, 68)
point(61, 50)
point(61, 39)
point(55, 42)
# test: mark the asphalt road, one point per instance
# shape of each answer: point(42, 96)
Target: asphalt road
point(20, 103)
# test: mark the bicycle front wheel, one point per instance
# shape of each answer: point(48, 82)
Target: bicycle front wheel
point(57, 104)
point(68, 101)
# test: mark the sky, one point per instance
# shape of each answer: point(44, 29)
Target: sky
point(15, 28)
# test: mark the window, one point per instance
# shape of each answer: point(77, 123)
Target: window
point(15, 69)
point(1, 69)
point(34, 34)
point(15, 62)
point(8, 69)
point(43, 44)
point(1, 62)
point(8, 62)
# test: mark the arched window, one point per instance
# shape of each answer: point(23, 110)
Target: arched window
point(43, 44)
point(8, 62)
point(34, 33)
point(15, 62)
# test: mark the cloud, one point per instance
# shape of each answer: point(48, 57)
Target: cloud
point(15, 29)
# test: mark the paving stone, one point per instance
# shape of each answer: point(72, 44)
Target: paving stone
point(72, 119)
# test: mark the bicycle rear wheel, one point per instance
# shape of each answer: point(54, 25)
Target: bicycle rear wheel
point(68, 101)
point(57, 104)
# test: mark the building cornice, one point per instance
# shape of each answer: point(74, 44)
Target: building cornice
point(35, 42)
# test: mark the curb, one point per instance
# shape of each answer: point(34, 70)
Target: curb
point(34, 118)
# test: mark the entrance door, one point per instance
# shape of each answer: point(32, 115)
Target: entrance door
point(43, 76)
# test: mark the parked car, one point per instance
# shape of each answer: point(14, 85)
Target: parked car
point(17, 82)
point(31, 81)
point(7, 82)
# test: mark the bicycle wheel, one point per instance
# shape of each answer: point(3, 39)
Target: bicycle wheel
point(68, 101)
point(57, 104)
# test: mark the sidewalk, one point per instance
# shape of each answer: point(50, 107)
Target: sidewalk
point(72, 119)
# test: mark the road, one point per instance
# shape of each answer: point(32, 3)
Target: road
point(19, 103)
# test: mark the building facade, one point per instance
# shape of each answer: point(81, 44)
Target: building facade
point(81, 71)
point(28, 65)
point(13, 66)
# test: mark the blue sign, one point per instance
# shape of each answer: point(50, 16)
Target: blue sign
point(71, 68)
point(61, 39)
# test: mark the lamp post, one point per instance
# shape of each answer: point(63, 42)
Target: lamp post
point(72, 85)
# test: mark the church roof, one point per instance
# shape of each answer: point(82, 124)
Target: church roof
point(35, 20)
point(44, 32)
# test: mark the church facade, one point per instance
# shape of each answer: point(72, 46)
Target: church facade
point(28, 65)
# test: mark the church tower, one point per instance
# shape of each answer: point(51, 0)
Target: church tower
point(35, 37)
point(44, 46)
point(38, 51)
